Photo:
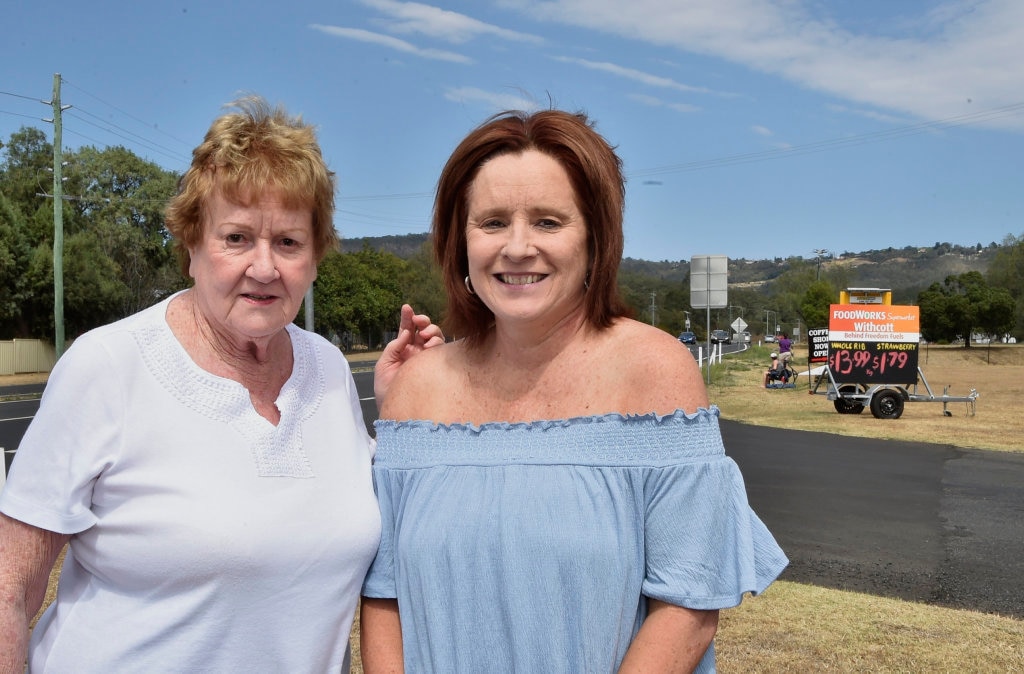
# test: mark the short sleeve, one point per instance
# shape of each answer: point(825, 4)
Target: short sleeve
point(705, 547)
point(380, 579)
point(73, 437)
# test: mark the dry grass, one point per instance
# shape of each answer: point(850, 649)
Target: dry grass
point(998, 374)
point(803, 628)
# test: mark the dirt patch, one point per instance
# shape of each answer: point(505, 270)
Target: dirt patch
point(20, 379)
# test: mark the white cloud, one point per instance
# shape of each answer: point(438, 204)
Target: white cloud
point(391, 43)
point(870, 114)
point(768, 133)
point(495, 100)
point(958, 58)
point(636, 75)
point(655, 102)
point(414, 17)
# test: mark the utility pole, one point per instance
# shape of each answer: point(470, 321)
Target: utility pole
point(654, 308)
point(819, 252)
point(309, 308)
point(58, 218)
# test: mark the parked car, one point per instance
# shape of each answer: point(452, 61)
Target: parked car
point(769, 339)
point(720, 336)
point(745, 335)
point(687, 338)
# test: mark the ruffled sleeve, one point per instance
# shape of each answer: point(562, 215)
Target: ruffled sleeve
point(705, 547)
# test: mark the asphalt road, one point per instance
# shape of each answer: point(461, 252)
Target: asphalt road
point(923, 522)
point(702, 348)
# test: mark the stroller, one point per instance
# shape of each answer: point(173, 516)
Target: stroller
point(781, 375)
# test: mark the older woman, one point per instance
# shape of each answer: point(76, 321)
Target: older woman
point(553, 487)
point(205, 458)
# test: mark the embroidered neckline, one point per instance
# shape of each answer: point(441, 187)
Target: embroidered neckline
point(277, 451)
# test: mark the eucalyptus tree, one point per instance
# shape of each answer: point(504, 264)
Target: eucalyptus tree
point(963, 305)
point(357, 293)
point(1006, 271)
point(421, 286)
point(122, 199)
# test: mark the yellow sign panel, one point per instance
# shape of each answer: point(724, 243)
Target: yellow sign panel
point(865, 296)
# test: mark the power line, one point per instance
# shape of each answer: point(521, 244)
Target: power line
point(134, 136)
point(27, 98)
point(129, 115)
point(19, 114)
point(106, 126)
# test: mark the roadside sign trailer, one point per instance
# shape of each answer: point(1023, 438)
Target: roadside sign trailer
point(870, 353)
point(886, 401)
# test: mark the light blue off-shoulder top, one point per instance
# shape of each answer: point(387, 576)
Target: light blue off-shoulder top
point(532, 547)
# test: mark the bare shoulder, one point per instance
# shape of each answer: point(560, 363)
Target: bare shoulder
point(662, 374)
point(420, 381)
point(643, 345)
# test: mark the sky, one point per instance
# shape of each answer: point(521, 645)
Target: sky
point(748, 128)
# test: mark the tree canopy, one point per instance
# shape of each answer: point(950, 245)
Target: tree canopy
point(118, 259)
point(965, 305)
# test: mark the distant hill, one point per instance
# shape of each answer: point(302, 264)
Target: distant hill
point(906, 271)
point(404, 246)
point(903, 270)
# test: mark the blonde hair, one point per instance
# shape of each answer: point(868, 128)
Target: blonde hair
point(244, 153)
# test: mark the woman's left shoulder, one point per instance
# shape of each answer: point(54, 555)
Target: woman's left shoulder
point(660, 372)
point(645, 343)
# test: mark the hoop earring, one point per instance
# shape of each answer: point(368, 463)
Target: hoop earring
point(469, 286)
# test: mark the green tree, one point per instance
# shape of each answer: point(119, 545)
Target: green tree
point(815, 303)
point(420, 282)
point(26, 175)
point(963, 305)
point(122, 198)
point(94, 292)
point(358, 293)
point(788, 291)
point(996, 315)
point(117, 258)
point(636, 289)
point(1006, 271)
point(15, 253)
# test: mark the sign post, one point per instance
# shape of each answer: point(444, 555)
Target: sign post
point(709, 289)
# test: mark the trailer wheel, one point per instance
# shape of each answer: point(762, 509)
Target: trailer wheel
point(847, 407)
point(844, 406)
point(887, 404)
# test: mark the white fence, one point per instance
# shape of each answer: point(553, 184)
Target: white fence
point(24, 356)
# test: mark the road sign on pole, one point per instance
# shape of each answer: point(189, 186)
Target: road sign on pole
point(709, 281)
point(739, 325)
point(709, 288)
